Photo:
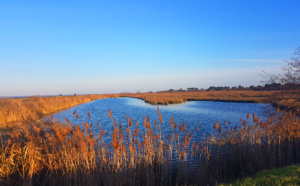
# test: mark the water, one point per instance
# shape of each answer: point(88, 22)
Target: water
point(193, 113)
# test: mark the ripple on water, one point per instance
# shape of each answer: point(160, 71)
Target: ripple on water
point(193, 113)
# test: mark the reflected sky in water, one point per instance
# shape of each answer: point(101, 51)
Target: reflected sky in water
point(193, 113)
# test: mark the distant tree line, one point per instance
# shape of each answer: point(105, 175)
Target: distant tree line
point(271, 86)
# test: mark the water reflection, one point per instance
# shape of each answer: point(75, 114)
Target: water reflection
point(193, 113)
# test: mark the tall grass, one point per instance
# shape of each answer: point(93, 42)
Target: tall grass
point(53, 153)
point(284, 99)
point(164, 98)
point(35, 107)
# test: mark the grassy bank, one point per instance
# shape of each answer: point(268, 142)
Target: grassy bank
point(165, 98)
point(35, 107)
point(284, 99)
point(289, 175)
point(52, 153)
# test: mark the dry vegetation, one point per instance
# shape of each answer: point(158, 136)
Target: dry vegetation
point(288, 99)
point(283, 99)
point(52, 153)
point(35, 107)
point(165, 98)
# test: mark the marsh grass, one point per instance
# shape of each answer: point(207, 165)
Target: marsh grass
point(14, 111)
point(164, 98)
point(286, 99)
point(52, 153)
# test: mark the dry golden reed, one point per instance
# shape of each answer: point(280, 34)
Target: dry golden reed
point(285, 99)
point(51, 148)
point(36, 107)
point(67, 148)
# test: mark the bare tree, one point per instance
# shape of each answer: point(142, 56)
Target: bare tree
point(289, 77)
point(290, 73)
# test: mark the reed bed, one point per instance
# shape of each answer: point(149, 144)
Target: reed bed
point(164, 98)
point(286, 99)
point(52, 153)
point(35, 107)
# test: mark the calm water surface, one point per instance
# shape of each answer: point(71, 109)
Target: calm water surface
point(193, 113)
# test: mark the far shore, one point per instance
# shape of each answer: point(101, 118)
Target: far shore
point(282, 99)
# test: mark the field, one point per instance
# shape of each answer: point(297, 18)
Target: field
point(37, 152)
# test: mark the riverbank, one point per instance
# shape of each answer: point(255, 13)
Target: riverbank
point(165, 98)
point(13, 111)
point(283, 99)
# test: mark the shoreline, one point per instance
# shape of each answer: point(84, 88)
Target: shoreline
point(287, 100)
point(212, 100)
point(35, 108)
point(15, 111)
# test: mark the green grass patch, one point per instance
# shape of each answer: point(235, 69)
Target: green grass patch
point(289, 175)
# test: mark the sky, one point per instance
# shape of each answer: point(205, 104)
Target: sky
point(93, 47)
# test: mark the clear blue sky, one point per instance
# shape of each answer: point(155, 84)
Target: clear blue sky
point(83, 47)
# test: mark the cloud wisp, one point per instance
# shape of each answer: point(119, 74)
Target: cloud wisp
point(255, 60)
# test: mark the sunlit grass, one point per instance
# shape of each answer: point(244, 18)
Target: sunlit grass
point(35, 107)
point(38, 152)
point(289, 175)
point(285, 99)
point(180, 97)
point(55, 152)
